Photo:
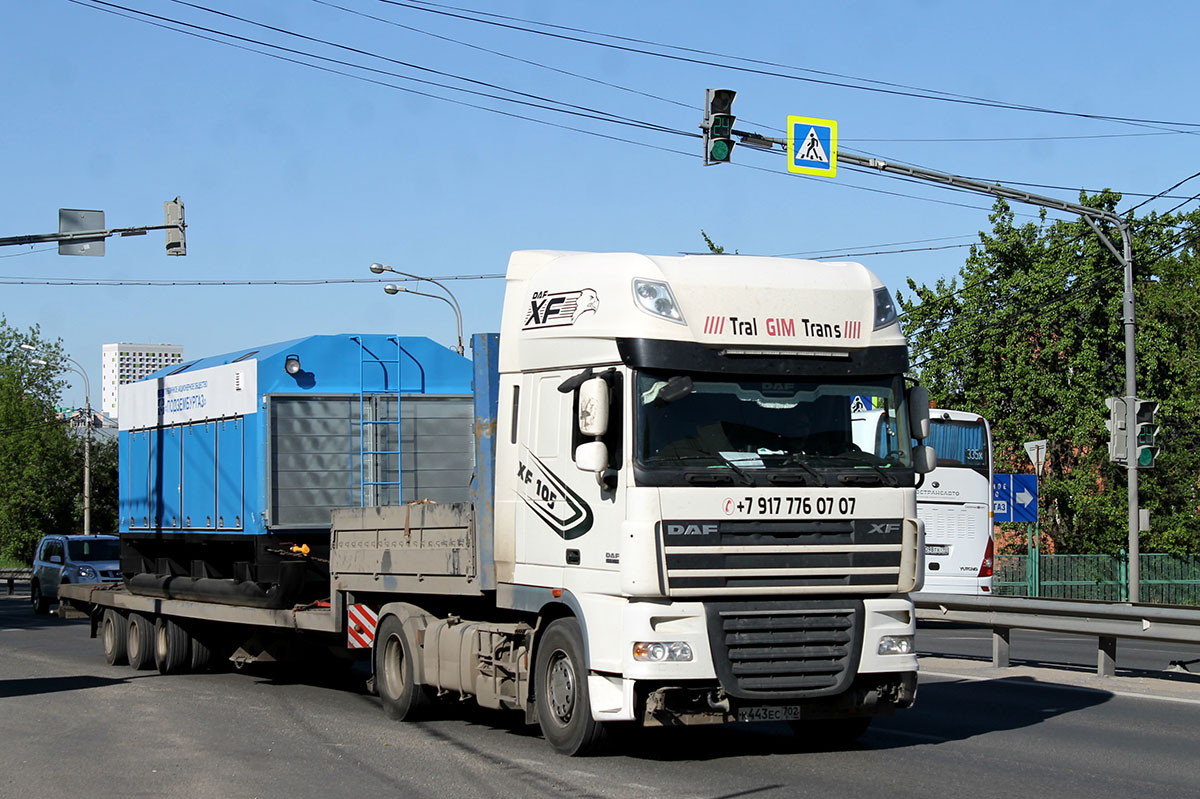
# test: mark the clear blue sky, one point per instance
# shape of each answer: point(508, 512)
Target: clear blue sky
point(292, 173)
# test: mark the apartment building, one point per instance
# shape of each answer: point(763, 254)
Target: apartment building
point(124, 363)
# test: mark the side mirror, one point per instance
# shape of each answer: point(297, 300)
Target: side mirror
point(56, 558)
point(593, 408)
point(918, 412)
point(924, 458)
point(592, 456)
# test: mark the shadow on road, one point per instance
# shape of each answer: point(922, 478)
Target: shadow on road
point(29, 686)
point(16, 613)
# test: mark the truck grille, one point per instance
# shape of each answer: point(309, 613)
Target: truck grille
point(781, 650)
point(784, 556)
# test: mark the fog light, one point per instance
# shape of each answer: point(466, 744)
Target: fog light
point(662, 651)
point(895, 645)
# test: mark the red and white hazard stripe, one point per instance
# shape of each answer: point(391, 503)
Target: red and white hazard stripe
point(853, 329)
point(714, 325)
point(360, 627)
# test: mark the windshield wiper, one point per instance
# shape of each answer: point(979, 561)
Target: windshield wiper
point(716, 460)
point(796, 460)
point(862, 458)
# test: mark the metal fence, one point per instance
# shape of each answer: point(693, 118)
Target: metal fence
point(1164, 579)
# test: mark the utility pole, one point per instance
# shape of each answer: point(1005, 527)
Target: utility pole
point(1093, 216)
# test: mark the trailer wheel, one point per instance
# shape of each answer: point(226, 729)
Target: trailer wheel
point(564, 709)
point(39, 602)
point(201, 655)
point(114, 632)
point(395, 675)
point(172, 650)
point(140, 642)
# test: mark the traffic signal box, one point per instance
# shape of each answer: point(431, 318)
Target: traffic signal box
point(718, 125)
point(1118, 450)
point(1146, 429)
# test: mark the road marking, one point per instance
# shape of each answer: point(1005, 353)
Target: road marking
point(1062, 686)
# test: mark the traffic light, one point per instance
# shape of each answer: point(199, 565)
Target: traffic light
point(718, 125)
point(173, 211)
point(1118, 439)
point(1147, 430)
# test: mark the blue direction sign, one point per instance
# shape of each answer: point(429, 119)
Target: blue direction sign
point(1015, 497)
point(812, 146)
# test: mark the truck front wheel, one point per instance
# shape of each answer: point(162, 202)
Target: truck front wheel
point(564, 709)
point(404, 699)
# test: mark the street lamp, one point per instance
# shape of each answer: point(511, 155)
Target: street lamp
point(450, 299)
point(87, 431)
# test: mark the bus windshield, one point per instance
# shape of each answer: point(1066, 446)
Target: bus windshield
point(960, 444)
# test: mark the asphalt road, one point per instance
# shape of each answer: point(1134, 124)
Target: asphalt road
point(72, 726)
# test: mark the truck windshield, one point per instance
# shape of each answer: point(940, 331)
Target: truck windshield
point(755, 428)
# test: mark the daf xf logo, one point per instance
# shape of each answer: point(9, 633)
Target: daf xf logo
point(691, 529)
point(884, 528)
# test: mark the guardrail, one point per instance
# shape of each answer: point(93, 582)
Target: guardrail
point(12, 575)
point(1107, 621)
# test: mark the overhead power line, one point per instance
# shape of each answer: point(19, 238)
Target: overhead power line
point(249, 44)
point(72, 281)
point(878, 87)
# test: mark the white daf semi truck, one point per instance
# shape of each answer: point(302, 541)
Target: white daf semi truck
point(666, 519)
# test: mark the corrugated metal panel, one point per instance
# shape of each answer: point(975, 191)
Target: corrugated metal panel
point(315, 446)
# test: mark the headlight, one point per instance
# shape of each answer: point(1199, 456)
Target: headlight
point(662, 651)
point(655, 297)
point(86, 572)
point(895, 645)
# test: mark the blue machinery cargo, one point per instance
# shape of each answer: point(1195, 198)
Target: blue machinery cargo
point(230, 465)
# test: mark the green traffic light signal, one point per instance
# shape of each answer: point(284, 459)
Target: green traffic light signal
point(718, 125)
point(1146, 456)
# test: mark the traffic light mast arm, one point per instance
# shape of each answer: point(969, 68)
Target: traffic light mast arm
point(1124, 257)
point(82, 235)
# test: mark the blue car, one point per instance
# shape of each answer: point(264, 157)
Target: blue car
point(72, 559)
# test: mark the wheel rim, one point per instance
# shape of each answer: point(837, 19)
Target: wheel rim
point(560, 686)
point(110, 636)
point(35, 596)
point(134, 640)
point(393, 667)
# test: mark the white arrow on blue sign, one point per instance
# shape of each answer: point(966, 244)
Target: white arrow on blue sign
point(1015, 497)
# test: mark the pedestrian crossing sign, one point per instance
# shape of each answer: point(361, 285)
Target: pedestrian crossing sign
point(812, 146)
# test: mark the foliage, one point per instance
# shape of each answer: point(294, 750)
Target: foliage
point(1029, 334)
point(714, 248)
point(41, 462)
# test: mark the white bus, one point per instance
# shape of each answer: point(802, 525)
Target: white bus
point(955, 502)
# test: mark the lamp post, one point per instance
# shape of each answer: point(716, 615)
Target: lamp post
point(450, 299)
point(87, 432)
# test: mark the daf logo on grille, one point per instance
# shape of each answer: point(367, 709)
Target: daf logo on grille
point(884, 528)
point(691, 529)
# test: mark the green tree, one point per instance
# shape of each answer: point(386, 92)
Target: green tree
point(1029, 335)
point(38, 492)
point(105, 517)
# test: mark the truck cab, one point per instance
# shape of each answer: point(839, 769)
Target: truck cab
point(676, 468)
